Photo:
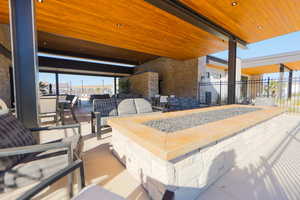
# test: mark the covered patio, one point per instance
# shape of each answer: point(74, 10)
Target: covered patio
point(162, 47)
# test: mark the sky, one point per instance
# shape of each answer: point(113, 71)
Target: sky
point(76, 79)
point(281, 44)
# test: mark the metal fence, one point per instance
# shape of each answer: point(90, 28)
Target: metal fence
point(283, 92)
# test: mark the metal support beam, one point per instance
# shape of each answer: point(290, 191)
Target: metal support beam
point(57, 83)
point(4, 51)
point(85, 56)
point(290, 85)
point(232, 44)
point(215, 59)
point(180, 10)
point(281, 68)
point(115, 85)
point(24, 60)
point(57, 63)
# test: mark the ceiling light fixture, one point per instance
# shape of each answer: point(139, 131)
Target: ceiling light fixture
point(234, 3)
point(259, 27)
point(40, 1)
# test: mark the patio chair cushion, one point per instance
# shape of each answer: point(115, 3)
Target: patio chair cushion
point(126, 107)
point(13, 134)
point(28, 173)
point(142, 106)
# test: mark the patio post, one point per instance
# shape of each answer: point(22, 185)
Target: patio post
point(290, 84)
point(232, 44)
point(57, 83)
point(281, 80)
point(115, 85)
point(24, 60)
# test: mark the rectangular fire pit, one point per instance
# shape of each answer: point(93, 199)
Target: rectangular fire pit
point(173, 124)
point(184, 151)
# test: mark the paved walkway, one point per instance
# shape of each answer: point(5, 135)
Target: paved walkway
point(272, 172)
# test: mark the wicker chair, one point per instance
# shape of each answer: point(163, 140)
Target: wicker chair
point(48, 107)
point(23, 161)
point(68, 107)
point(103, 109)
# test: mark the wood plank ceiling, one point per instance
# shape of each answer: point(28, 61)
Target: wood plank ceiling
point(128, 24)
point(251, 20)
point(136, 25)
point(50, 43)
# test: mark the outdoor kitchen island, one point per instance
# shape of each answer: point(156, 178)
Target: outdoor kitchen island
point(186, 151)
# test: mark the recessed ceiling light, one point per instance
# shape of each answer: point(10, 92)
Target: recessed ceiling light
point(40, 1)
point(234, 3)
point(259, 27)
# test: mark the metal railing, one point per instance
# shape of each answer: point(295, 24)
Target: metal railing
point(284, 92)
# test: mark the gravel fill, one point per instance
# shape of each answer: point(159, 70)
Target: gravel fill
point(170, 125)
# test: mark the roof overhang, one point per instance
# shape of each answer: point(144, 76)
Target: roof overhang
point(262, 65)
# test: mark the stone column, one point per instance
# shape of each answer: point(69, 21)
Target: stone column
point(5, 63)
point(238, 79)
point(201, 77)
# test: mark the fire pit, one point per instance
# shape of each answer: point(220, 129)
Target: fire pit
point(184, 151)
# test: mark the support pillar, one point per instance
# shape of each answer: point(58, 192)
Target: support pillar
point(115, 85)
point(290, 84)
point(57, 83)
point(24, 60)
point(281, 80)
point(231, 71)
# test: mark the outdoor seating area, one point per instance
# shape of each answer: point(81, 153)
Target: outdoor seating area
point(149, 100)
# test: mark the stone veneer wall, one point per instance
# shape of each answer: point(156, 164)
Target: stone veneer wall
point(5, 63)
point(177, 77)
point(145, 83)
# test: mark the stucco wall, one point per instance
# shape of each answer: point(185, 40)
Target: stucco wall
point(4, 65)
point(177, 77)
point(145, 83)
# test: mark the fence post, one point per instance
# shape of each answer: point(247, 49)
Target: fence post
point(268, 91)
point(220, 89)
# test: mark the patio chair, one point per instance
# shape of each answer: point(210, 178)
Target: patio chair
point(70, 97)
point(163, 101)
point(24, 162)
point(98, 96)
point(48, 107)
point(87, 193)
point(103, 109)
point(68, 107)
point(173, 103)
